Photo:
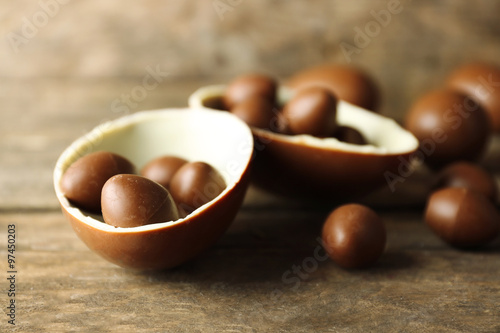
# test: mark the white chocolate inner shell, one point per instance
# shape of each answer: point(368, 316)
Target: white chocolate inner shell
point(384, 134)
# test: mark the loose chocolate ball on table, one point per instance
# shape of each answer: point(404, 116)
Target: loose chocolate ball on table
point(256, 111)
point(468, 175)
point(83, 181)
point(162, 169)
point(247, 86)
point(462, 217)
point(349, 135)
point(196, 184)
point(131, 201)
point(450, 127)
point(312, 111)
point(354, 236)
point(481, 82)
point(347, 83)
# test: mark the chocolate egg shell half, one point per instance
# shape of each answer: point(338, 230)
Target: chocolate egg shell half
point(217, 138)
point(303, 166)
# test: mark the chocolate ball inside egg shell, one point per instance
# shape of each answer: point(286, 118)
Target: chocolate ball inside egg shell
point(347, 83)
point(256, 111)
point(162, 169)
point(83, 181)
point(312, 111)
point(132, 201)
point(462, 217)
point(450, 127)
point(247, 86)
point(196, 184)
point(481, 82)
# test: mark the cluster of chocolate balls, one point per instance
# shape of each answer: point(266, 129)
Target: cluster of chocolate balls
point(454, 125)
point(310, 111)
point(167, 188)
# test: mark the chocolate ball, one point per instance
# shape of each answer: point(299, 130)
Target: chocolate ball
point(481, 82)
point(347, 83)
point(462, 217)
point(311, 111)
point(256, 111)
point(349, 135)
point(354, 236)
point(450, 127)
point(468, 175)
point(131, 201)
point(247, 86)
point(162, 169)
point(83, 180)
point(196, 184)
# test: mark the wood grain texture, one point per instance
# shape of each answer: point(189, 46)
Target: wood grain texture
point(83, 65)
point(246, 282)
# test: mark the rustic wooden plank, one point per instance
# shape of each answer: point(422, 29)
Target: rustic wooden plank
point(245, 283)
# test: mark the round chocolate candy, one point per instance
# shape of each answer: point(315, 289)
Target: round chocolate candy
point(450, 127)
point(131, 201)
point(468, 175)
point(312, 111)
point(162, 169)
point(256, 111)
point(462, 217)
point(83, 181)
point(196, 184)
point(481, 82)
point(349, 135)
point(247, 86)
point(347, 83)
point(354, 236)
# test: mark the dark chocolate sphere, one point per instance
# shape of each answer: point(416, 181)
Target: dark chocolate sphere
point(462, 217)
point(468, 175)
point(481, 82)
point(132, 201)
point(256, 111)
point(83, 181)
point(347, 83)
point(312, 111)
point(354, 236)
point(162, 169)
point(196, 184)
point(450, 127)
point(247, 86)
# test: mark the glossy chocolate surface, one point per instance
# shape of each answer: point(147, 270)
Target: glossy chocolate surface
point(468, 175)
point(196, 184)
point(256, 111)
point(312, 111)
point(83, 180)
point(162, 169)
point(462, 217)
point(450, 127)
point(347, 83)
point(354, 236)
point(131, 201)
point(247, 86)
point(481, 82)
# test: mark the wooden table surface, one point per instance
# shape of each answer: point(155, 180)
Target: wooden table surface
point(261, 276)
